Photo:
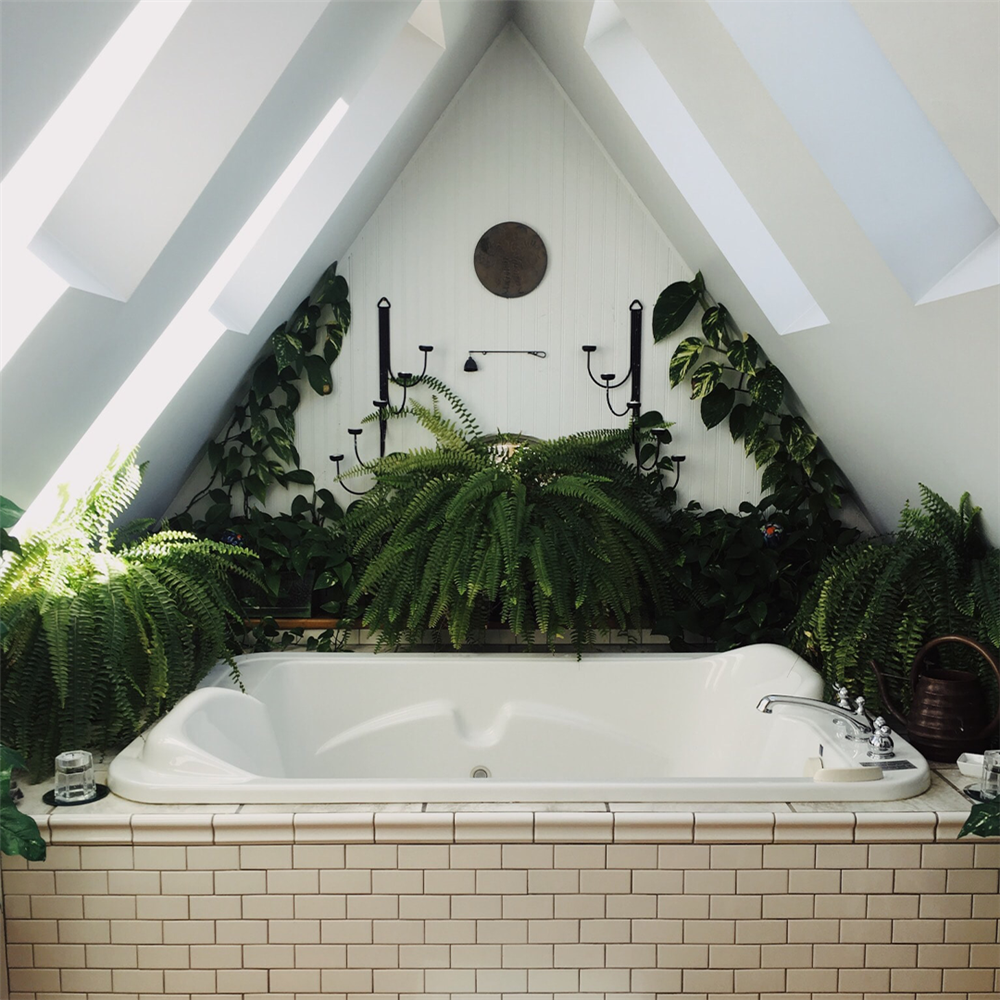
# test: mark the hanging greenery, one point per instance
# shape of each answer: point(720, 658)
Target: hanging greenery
point(257, 451)
point(745, 574)
point(881, 600)
point(105, 630)
point(556, 536)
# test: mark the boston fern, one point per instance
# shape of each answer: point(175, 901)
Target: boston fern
point(556, 536)
point(882, 600)
point(105, 630)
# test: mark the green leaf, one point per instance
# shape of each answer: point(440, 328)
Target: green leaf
point(331, 349)
point(10, 513)
point(714, 324)
point(302, 476)
point(773, 475)
point(318, 372)
point(704, 379)
point(8, 543)
point(18, 832)
point(800, 442)
point(652, 418)
point(286, 420)
point(287, 349)
point(673, 306)
point(256, 486)
point(738, 420)
point(265, 377)
point(280, 443)
point(218, 512)
point(334, 291)
point(685, 356)
point(716, 405)
point(215, 452)
point(758, 612)
point(292, 396)
point(765, 451)
point(767, 388)
point(983, 821)
point(743, 355)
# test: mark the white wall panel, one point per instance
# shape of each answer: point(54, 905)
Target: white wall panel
point(511, 147)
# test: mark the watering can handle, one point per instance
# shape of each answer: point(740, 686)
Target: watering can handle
point(918, 662)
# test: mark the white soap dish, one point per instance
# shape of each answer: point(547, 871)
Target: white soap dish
point(971, 765)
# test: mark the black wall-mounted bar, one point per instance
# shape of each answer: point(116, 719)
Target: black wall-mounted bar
point(471, 366)
point(385, 376)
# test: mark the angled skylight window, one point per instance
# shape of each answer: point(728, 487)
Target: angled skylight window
point(700, 177)
point(43, 173)
point(375, 109)
point(180, 348)
point(869, 136)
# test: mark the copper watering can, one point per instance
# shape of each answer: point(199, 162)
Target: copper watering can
point(948, 710)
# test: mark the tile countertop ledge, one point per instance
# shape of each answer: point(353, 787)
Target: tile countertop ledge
point(938, 815)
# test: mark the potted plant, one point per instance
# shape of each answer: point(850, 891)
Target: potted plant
point(882, 600)
point(105, 630)
point(560, 536)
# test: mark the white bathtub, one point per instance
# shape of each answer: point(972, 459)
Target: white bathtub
point(414, 727)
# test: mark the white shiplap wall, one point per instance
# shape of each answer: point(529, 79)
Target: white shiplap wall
point(512, 147)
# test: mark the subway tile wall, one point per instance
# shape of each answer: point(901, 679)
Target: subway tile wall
point(208, 907)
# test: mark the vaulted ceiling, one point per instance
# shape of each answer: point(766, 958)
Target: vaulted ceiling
point(836, 180)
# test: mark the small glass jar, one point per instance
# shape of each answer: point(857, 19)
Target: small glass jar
point(990, 788)
point(75, 778)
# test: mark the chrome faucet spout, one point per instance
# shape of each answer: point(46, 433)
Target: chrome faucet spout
point(859, 723)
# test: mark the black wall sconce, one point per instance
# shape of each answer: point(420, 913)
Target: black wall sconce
point(470, 362)
point(406, 380)
point(633, 408)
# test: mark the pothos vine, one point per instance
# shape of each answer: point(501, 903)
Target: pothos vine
point(257, 451)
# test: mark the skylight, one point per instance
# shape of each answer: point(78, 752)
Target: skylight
point(38, 180)
point(871, 139)
point(700, 177)
point(180, 348)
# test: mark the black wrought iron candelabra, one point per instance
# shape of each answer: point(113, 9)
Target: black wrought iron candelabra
point(633, 408)
point(405, 380)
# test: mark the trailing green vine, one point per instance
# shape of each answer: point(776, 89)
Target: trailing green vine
point(745, 574)
point(257, 451)
point(730, 374)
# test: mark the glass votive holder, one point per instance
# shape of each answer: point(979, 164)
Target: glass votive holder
point(990, 787)
point(75, 777)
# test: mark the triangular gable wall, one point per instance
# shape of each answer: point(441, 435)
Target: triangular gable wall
point(512, 147)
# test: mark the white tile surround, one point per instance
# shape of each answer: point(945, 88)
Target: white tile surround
point(507, 901)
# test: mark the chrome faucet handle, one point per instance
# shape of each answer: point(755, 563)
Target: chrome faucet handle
point(843, 699)
point(881, 741)
point(859, 709)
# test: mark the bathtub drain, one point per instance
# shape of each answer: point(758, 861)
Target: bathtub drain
point(481, 772)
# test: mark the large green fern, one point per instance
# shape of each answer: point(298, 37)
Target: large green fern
point(882, 600)
point(559, 537)
point(101, 637)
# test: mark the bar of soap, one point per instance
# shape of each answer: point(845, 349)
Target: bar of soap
point(848, 774)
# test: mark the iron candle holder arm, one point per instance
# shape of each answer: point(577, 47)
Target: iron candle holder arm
point(385, 376)
point(607, 381)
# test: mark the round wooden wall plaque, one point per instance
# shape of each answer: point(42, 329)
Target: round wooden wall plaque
point(510, 259)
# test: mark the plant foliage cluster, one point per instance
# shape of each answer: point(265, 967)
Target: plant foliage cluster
point(105, 630)
point(881, 600)
point(257, 451)
point(560, 537)
point(744, 575)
